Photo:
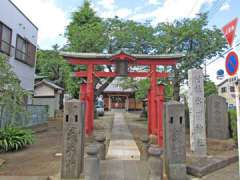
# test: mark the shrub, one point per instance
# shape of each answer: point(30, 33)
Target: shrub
point(13, 139)
point(232, 114)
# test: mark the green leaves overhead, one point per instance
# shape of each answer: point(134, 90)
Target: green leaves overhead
point(56, 69)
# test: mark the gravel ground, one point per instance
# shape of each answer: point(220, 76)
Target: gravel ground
point(39, 159)
point(138, 127)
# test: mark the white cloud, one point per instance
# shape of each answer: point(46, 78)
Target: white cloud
point(109, 9)
point(225, 7)
point(123, 12)
point(171, 10)
point(50, 19)
point(107, 4)
point(154, 2)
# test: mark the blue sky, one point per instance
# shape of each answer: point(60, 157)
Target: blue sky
point(52, 16)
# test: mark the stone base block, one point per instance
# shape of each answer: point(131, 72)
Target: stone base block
point(177, 172)
point(205, 166)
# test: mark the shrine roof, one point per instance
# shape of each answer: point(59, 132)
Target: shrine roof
point(108, 56)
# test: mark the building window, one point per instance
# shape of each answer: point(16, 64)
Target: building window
point(5, 39)
point(232, 89)
point(224, 89)
point(25, 51)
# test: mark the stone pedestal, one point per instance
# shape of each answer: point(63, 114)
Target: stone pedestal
point(174, 131)
point(217, 117)
point(73, 139)
point(100, 139)
point(196, 105)
point(92, 163)
point(155, 162)
point(145, 146)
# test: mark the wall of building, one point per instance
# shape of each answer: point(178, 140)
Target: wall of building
point(230, 96)
point(52, 103)
point(44, 90)
point(20, 24)
point(129, 104)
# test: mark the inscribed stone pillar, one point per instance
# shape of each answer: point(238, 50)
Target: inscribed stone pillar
point(174, 132)
point(73, 139)
point(217, 117)
point(198, 143)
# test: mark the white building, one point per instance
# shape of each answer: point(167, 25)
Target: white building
point(226, 89)
point(48, 93)
point(18, 40)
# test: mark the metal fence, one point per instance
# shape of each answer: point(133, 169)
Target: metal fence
point(33, 115)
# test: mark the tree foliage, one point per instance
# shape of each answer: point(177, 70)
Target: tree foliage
point(191, 37)
point(209, 88)
point(89, 33)
point(11, 93)
point(85, 33)
point(56, 69)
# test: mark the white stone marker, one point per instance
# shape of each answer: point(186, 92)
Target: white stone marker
point(196, 105)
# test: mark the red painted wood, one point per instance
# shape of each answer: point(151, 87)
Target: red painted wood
point(153, 80)
point(160, 113)
point(155, 94)
point(113, 74)
point(166, 62)
point(90, 96)
point(149, 113)
point(122, 57)
point(83, 92)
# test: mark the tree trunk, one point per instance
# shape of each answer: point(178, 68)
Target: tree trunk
point(176, 91)
point(176, 85)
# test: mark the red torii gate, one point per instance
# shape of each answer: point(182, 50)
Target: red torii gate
point(122, 61)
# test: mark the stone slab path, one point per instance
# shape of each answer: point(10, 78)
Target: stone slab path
point(123, 157)
point(122, 145)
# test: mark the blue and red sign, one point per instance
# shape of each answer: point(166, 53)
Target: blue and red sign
point(232, 63)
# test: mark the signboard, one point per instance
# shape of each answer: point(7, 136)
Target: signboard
point(231, 63)
point(229, 31)
point(220, 74)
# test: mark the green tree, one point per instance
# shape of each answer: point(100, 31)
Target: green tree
point(127, 35)
point(57, 70)
point(191, 37)
point(209, 88)
point(140, 87)
point(85, 33)
point(11, 93)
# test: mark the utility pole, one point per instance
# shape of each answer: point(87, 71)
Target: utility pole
point(238, 117)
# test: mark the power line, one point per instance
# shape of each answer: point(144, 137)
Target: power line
point(215, 8)
point(192, 9)
point(222, 55)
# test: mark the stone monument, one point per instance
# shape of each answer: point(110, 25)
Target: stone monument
point(73, 139)
point(174, 132)
point(198, 143)
point(217, 117)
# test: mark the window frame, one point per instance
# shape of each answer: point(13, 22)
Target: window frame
point(27, 56)
point(10, 43)
point(232, 89)
point(223, 90)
